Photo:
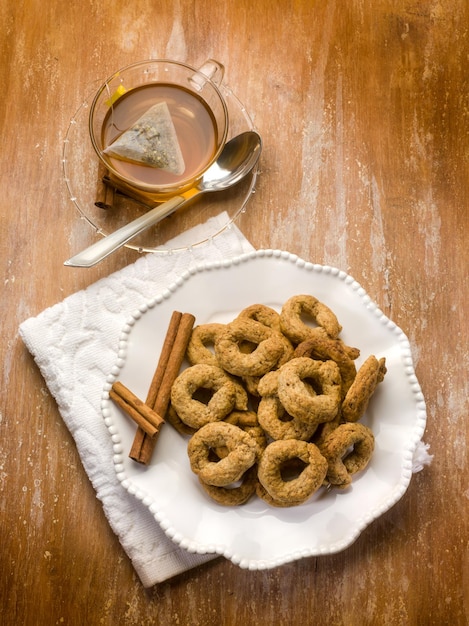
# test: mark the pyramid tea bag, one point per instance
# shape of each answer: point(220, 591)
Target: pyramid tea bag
point(152, 141)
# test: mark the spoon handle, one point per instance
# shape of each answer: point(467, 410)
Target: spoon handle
point(105, 246)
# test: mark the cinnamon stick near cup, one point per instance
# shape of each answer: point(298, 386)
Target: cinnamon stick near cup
point(159, 394)
point(104, 191)
point(123, 189)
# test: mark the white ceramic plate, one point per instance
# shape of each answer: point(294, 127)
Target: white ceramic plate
point(255, 535)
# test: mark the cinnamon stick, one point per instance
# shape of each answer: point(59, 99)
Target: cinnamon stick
point(170, 338)
point(122, 188)
point(165, 355)
point(167, 370)
point(104, 191)
point(142, 414)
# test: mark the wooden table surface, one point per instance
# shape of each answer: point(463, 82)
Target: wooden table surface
point(363, 106)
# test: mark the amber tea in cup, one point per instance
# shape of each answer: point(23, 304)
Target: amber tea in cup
point(158, 125)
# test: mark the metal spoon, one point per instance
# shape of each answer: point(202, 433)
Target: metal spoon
point(237, 159)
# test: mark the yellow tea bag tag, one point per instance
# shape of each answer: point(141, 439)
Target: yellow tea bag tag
point(151, 141)
point(120, 91)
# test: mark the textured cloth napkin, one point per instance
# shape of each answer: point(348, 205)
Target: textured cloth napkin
point(74, 343)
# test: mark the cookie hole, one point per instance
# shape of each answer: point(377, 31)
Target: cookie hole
point(284, 417)
point(217, 454)
point(312, 386)
point(247, 347)
point(307, 320)
point(291, 469)
point(349, 455)
point(210, 346)
point(348, 452)
point(253, 403)
point(234, 485)
point(203, 395)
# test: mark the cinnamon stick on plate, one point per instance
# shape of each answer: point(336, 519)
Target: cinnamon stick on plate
point(141, 413)
point(159, 394)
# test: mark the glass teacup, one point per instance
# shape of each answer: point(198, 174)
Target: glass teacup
point(189, 103)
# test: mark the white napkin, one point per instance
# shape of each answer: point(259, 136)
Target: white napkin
point(75, 342)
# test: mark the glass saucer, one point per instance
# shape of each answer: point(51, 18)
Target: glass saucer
point(81, 171)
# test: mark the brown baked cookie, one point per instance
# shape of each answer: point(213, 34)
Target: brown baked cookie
point(324, 429)
point(173, 418)
point(322, 347)
point(370, 374)
point(217, 395)
point(309, 475)
point(200, 348)
point(278, 424)
point(274, 418)
point(269, 317)
point(263, 314)
point(235, 495)
point(268, 348)
point(263, 494)
point(247, 421)
point(310, 390)
point(243, 453)
point(348, 450)
point(297, 308)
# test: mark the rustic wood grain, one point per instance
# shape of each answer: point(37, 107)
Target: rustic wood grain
point(364, 110)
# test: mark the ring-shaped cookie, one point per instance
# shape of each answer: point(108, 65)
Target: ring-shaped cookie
point(202, 338)
point(268, 317)
point(297, 308)
point(247, 421)
point(293, 490)
point(196, 413)
point(251, 382)
point(312, 404)
point(242, 453)
point(273, 417)
point(236, 494)
point(348, 450)
point(369, 375)
point(267, 351)
point(263, 314)
point(324, 429)
point(263, 494)
point(176, 422)
point(322, 347)
point(279, 424)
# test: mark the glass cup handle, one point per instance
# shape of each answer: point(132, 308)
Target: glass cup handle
point(211, 70)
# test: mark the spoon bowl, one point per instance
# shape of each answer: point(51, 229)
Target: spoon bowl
point(238, 158)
